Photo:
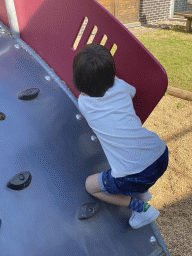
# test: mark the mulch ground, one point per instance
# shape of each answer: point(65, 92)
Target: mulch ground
point(172, 193)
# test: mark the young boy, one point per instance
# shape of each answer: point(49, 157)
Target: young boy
point(137, 157)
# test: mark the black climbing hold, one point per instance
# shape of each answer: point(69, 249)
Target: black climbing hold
point(87, 210)
point(29, 94)
point(20, 181)
point(2, 116)
point(0, 222)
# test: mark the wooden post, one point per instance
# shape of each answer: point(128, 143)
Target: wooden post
point(179, 93)
point(188, 25)
point(190, 3)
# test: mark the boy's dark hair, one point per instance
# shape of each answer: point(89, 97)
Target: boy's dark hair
point(93, 70)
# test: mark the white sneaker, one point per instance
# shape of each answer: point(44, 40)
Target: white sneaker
point(145, 197)
point(140, 219)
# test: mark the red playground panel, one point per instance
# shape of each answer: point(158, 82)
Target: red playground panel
point(51, 27)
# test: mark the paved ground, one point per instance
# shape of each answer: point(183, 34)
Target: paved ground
point(166, 24)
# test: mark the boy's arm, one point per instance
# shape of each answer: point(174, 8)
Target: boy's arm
point(132, 91)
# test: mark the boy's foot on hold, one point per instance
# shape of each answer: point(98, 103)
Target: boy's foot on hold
point(140, 219)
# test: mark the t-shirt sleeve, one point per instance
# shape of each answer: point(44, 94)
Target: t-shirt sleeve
point(133, 91)
point(130, 89)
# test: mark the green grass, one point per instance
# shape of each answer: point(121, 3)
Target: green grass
point(173, 49)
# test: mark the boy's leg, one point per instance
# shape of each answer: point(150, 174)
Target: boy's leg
point(93, 188)
point(142, 214)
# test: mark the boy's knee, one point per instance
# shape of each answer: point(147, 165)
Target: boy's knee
point(92, 185)
point(87, 185)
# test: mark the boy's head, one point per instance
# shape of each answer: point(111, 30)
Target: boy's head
point(93, 70)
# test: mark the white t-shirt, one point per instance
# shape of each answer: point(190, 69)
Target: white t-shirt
point(129, 147)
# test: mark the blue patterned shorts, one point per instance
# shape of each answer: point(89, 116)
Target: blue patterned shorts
point(137, 183)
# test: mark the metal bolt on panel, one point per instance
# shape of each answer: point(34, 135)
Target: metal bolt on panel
point(17, 46)
point(153, 240)
point(79, 117)
point(94, 138)
point(48, 78)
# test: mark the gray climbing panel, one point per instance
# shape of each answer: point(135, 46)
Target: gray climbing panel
point(46, 153)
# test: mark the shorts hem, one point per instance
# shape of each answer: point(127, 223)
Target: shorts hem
point(100, 181)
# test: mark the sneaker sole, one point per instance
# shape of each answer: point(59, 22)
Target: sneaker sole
point(146, 222)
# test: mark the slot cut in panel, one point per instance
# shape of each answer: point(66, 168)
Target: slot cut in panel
point(92, 35)
point(80, 33)
point(113, 49)
point(103, 40)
